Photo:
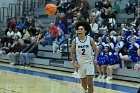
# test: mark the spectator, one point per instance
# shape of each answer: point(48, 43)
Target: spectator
point(38, 23)
point(8, 38)
point(129, 9)
point(26, 36)
point(17, 33)
point(53, 33)
point(44, 40)
point(57, 45)
point(98, 4)
point(14, 53)
point(29, 53)
point(10, 24)
point(120, 44)
point(132, 53)
point(94, 26)
point(103, 60)
point(115, 63)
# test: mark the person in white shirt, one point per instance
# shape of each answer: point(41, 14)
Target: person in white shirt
point(8, 38)
point(94, 26)
point(17, 33)
point(83, 46)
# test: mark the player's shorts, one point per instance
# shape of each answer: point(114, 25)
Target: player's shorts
point(86, 70)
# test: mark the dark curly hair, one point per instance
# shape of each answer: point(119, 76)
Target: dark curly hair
point(86, 26)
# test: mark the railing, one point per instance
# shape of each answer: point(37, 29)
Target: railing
point(4, 14)
point(12, 8)
point(66, 41)
point(19, 8)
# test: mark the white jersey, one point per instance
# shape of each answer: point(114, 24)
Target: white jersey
point(84, 50)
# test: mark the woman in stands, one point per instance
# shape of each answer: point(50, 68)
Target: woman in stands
point(103, 60)
point(57, 43)
point(114, 63)
point(132, 53)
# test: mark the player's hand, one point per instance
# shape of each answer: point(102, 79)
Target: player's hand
point(75, 65)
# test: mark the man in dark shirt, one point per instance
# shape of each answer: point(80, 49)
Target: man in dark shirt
point(14, 54)
point(29, 53)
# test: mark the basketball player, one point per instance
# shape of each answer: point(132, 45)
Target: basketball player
point(83, 46)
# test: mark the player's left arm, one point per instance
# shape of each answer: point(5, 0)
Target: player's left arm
point(95, 48)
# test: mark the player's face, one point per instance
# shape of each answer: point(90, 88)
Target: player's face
point(81, 31)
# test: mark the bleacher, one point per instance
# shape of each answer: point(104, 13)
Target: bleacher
point(61, 61)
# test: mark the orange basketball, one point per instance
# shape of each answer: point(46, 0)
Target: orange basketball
point(50, 9)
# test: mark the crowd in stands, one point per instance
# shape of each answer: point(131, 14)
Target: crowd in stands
point(116, 47)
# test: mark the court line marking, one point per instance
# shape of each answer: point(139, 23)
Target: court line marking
point(70, 79)
point(9, 90)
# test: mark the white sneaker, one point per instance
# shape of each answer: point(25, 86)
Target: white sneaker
point(99, 76)
point(108, 78)
point(103, 77)
point(111, 77)
point(75, 73)
point(58, 51)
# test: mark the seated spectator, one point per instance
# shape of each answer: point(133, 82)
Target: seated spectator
point(84, 11)
point(113, 37)
point(69, 14)
point(98, 4)
point(132, 53)
point(26, 36)
point(8, 38)
point(29, 53)
point(96, 15)
point(22, 47)
point(129, 9)
point(53, 32)
point(14, 53)
point(120, 44)
point(106, 4)
point(31, 27)
point(115, 63)
point(94, 26)
point(44, 40)
point(100, 43)
point(62, 26)
point(103, 60)
point(104, 37)
point(17, 33)
point(129, 38)
point(37, 23)
point(57, 45)
point(21, 24)
point(40, 35)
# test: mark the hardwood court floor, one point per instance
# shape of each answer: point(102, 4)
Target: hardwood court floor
point(18, 79)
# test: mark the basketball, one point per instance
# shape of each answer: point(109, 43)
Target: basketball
point(50, 9)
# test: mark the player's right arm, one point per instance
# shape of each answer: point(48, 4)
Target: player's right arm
point(73, 49)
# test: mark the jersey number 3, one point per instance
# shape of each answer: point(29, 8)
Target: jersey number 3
point(83, 51)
